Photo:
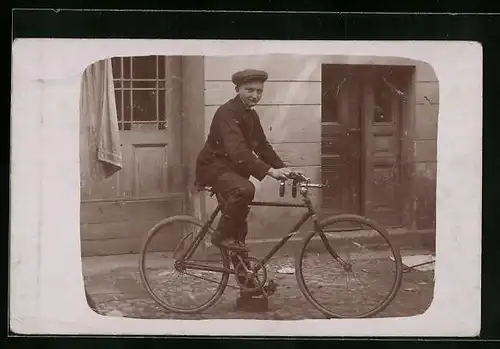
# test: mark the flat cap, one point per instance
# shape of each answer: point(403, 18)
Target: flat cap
point(248, 75)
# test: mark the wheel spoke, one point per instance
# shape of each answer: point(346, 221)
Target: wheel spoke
point(352, 294)
point(179, 298)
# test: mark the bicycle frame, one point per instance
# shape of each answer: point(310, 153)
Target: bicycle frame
point(311, 213)
point(294, 230)
point(190, 242)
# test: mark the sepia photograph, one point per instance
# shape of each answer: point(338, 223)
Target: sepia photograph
point(245, 188)
point(265, 186)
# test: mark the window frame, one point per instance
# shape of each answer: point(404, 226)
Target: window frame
point(124, 87)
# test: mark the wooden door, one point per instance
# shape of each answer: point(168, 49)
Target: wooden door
point(116, 213)
point(341, 139)
point(361, 140)
point(382, 116)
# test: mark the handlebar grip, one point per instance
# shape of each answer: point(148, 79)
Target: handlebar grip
point(282, 188)
point(294, 188)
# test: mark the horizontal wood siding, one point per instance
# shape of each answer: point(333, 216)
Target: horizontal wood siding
point(125, 245)
point(425, 189)
point(427, 92)
point(120, 227)
point(301, 67)
point(286, 93)
point(297, 123)
point(106, 212)
point(290, 112)
point(425, 151)
point(276, 92)
point(426, 122)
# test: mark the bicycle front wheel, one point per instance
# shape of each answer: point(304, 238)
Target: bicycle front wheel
point(185, 291)
point(349, 268)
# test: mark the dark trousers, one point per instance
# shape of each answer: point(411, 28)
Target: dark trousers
point(235, 193)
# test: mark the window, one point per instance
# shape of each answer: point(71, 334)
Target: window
point(331, 89)
point(383, 102)
point(140, 90)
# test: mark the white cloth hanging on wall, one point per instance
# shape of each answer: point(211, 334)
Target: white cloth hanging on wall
point(99, 117)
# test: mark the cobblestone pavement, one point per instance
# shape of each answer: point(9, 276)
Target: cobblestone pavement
point(114, 284)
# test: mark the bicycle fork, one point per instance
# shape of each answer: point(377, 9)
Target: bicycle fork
point(346, 265)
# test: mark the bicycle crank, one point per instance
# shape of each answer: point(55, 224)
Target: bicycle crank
point(251, 274)
point(270, 288)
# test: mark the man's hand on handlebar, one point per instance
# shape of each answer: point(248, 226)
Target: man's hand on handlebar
point(297, 174)
point(284, 173)
point(279, 173)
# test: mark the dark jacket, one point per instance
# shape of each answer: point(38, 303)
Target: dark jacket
point(236, 142)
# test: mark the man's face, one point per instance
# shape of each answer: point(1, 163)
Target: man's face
point(251, 92)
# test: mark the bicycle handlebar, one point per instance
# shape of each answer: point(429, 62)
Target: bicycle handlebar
point(302, 181)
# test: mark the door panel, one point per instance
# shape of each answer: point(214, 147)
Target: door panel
point(341, 139)
point(382, 107)
point(361, 115)
point(150, 185)
point(145, 155)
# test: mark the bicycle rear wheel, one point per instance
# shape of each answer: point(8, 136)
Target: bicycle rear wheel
point(194, 290)
point(320, 273)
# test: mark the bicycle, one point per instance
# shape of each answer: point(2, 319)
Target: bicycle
point(246, 268)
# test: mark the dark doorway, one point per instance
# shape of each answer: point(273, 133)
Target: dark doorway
point(362, 111)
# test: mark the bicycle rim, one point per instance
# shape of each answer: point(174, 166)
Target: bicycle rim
point(154, 232)
point(311, 290)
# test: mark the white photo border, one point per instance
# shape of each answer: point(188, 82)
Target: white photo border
point(46, 283)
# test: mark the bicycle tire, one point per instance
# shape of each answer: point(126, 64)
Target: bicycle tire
point(356, 219)
point(152, 232)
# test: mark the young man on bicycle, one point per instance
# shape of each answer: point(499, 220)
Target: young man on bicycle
point(237, 148)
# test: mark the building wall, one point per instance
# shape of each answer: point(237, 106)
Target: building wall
point(425, 150)
point(290, 112)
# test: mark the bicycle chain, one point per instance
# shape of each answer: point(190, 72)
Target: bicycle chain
point(209, 280)
point(267, 290)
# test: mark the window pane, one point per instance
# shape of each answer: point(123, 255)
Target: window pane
point(144, 67)
point(329, 108)
point(139, 85)
point(127, 110)
point(162, 110)
point(161, 67)
point(126, 67)
point(144, 84)
point(116, 64)
point(140, 90)
point(144, 105)
point(118, 98)
point(331, 88)
point(383, 102)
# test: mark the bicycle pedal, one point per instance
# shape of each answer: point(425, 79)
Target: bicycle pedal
point(270, 288)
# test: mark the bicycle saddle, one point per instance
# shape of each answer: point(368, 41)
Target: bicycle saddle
point(210, 190)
